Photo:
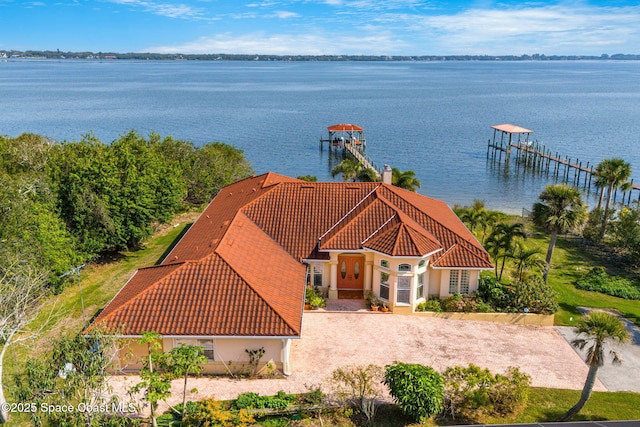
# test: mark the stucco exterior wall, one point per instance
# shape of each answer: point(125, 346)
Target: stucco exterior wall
point(229, 354)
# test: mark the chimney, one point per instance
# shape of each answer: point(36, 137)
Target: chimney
point(386, 174)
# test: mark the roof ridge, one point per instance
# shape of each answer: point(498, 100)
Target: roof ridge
point(249, 284)
point(349, 212)
point(378, 229)
point(389, 187)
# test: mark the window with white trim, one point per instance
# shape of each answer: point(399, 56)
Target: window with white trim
point(459, 282)
point(403, 291)
point(405, 268)
point(317, 275)
point(207, 346)
point(384, 263)
point(384, 286)
point(420, 287)
point(453, 281)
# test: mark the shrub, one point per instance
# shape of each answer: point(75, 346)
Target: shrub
point(536, 296)
point(210, 412)
point(359, 386)
point(598, 280)
point(499, 296)
point(510, 392)
point(251, 400)
point(472, 392)
point(417, 389)
point(432, 304)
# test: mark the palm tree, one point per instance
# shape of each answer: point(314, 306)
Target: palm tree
point(526, 259)
point(367, 175)
point(599, 328)
point(348, 168)
point(406, 179)
point(560, 209)
point(613, 173)
point(500, 242)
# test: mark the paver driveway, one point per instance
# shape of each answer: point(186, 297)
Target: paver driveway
point(330, 340)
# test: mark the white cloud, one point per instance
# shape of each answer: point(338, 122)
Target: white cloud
point(553, 29)
point(285, 44)
point(163, 9)
point(283, 14)
point(556, 29)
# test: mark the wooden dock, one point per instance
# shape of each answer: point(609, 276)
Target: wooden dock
point(350, 139)
point(538, 157)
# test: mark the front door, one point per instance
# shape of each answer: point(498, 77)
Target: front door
point(350, 272)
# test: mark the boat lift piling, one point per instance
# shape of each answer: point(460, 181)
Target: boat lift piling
point(538, 158)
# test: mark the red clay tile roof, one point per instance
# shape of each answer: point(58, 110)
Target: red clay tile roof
point(237, 270)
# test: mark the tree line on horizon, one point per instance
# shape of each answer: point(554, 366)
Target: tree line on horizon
point(64, 204)
point(57, 54)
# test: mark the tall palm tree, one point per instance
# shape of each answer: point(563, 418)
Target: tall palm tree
point(560, 209)
point(599, 328)
point(501, 242)
point(613, 173)
point(406, 179)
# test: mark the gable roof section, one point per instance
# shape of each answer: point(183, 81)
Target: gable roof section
point(268, 269)
point(435, 217)
point(205, 234)
point(296, 214)
point(203, 298)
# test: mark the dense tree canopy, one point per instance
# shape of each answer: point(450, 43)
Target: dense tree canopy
point(62, 204)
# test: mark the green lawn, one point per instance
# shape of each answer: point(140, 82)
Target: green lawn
point(571, 260)
point(545, 405)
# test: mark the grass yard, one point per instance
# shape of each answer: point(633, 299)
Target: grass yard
point(571, 260)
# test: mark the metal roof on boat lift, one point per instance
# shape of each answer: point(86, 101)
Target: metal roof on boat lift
point(511, 128)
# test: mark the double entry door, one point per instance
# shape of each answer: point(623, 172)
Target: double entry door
point(350, 272)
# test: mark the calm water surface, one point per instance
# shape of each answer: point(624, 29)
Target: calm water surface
point(432, 117)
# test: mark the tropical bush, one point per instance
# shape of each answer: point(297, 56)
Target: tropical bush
point(211, 412)
point(251, 400)
point(417, 389)
point(432, 304)
point(598, 280)
point(472, 392)
point(532, 295)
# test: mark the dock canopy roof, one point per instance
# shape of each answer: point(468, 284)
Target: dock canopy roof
point(511, 129)
point(345, 127)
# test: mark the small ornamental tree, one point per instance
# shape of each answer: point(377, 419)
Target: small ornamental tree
point(417, 389)
point(359, 386)
point(155, 384)
point(183, 361)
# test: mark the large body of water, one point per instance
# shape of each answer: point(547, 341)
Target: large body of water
point(431, 117)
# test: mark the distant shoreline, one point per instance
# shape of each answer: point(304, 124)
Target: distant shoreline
point(36, 54)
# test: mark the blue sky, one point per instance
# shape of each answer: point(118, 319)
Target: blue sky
point(351, 27)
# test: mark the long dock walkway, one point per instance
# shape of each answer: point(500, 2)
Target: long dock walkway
point(359, 156)
point(538, 157)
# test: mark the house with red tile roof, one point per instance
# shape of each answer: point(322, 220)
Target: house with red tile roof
point(236, 280)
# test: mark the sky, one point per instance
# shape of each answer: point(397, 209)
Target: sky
point(324, 27)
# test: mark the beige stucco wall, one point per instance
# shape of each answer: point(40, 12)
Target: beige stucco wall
point(512, 318)
point(436, 281)
point(229, 354)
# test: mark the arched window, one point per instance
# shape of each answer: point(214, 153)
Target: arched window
point(384, 263)
point(422, 263)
